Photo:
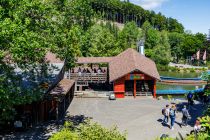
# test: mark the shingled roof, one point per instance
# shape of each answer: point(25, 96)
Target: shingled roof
point(62, 87)
point(52, 58)
point(128, 61)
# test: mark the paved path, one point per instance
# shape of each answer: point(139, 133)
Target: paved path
point(139, 117)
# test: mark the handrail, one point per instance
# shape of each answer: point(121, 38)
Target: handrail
point(89, 77)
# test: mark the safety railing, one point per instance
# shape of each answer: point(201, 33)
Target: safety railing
point(89, 77)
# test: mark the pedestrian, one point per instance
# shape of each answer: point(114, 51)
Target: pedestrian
point(190, 98)
point(185, 116)
point(165, 112)
point(172, 115)
point(197, 127)
point(205, 99)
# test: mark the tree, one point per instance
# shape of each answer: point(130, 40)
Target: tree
point(152, 39)
point(191, 44)
point(129, 36)
point(161, 53)
point(26, 31)
point(145, 27)
point(102, 42)
point(176, 43)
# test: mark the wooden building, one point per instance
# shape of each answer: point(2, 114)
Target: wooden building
point(59, 93)
point(130, 73)
point(133, 74)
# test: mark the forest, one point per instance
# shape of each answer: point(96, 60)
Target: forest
point(124, 11)
point(72, 28)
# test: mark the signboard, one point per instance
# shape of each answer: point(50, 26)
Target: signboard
point(136, 77)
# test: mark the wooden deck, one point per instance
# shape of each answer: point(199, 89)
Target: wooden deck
point(89, 77)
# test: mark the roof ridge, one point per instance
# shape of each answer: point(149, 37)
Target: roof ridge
point(134, 58)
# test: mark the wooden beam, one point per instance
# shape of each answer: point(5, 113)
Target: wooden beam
point(154, 89)
point(134, 89)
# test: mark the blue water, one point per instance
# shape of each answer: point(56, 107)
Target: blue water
point(164, 89)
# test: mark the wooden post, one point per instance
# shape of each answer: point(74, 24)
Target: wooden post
point(154, 89)
point(69, 74)
point(134, 89)
point(57, 111)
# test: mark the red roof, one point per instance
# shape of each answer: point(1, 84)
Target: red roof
point(130, 60)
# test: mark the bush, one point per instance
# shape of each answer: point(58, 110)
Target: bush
point(192, 70)
point(162, 67)
point(88, 131)
point(96, 132)
point(65, 134)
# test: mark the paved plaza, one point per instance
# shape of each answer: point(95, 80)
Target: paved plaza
point(140, 117)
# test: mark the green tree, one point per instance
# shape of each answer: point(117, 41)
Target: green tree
point(176, 43)
point(152, 39)
point(102, 42)
point(145, 27)
point(26, 28)
point(129, 36)
point(161, 53)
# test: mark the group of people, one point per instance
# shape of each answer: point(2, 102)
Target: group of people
point(170, 112)
point(88, 70)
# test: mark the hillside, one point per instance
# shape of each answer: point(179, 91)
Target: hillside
point(123, 12)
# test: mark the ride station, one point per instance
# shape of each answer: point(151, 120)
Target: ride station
point(127, 74)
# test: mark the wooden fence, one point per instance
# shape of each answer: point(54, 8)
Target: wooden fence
point(89, 77)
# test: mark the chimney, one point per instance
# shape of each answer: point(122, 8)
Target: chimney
point(140, 46)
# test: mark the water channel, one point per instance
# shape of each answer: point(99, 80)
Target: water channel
point(179, 88)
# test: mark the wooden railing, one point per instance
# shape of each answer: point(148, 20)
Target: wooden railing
point(89, 77)
point(138, 94)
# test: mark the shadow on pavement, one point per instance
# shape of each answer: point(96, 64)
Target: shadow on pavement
point(45, 130)
point(195, 111)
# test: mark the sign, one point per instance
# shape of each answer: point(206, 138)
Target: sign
point(136, 77)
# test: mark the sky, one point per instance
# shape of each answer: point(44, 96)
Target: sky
point(193, 14)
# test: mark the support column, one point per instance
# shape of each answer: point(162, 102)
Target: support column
point(154, 89)
point(57, 111)
point(134, 89)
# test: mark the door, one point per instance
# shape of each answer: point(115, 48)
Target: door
point(129, 86)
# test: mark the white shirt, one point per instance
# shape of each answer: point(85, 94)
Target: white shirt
point(197, 127)
point(167, 111)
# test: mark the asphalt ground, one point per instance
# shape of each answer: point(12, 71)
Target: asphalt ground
point(140, 118)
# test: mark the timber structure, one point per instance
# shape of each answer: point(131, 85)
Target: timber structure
point(129, 74)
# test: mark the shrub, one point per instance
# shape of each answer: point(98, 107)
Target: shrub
point(96, 132)
point(169, 97)
point(192, 70)
point(65, 134)
point(88, 131)
point(163, 67)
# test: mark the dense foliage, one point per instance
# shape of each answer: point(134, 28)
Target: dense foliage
point(28, 30)
point(78, 28)
point(88, 131)
point(124, 11)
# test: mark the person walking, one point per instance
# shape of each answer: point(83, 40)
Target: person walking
point(185, 116)
point(172, 115)
point(190, 98)
point(165, 113)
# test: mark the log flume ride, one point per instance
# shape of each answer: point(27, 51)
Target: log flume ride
point(182, 81)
